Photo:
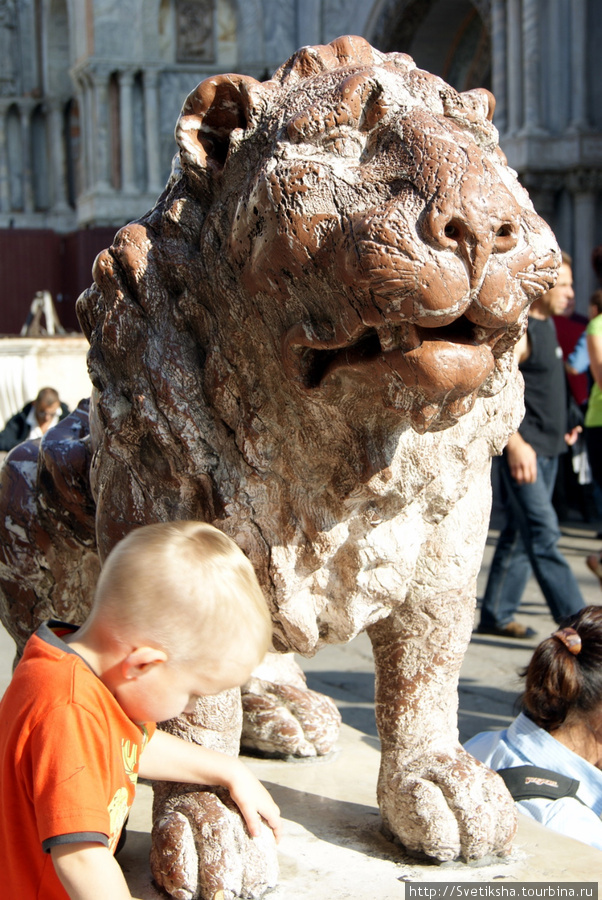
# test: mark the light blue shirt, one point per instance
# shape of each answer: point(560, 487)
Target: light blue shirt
point(578, 359)
point(524, 743)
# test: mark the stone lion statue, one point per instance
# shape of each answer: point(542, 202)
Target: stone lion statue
point(309, 343)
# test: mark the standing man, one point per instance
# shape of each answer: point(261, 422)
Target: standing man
point(527, 542)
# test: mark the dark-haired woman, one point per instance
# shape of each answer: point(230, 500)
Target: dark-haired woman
point(559, 730)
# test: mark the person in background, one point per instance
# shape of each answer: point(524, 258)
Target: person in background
point(559, 732)
point(34, 420)
point(577, 366)
point(593, 416)
point(570, 331)
point(572, 489)
point(528, 540)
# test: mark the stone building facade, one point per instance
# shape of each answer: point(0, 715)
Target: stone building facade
point(90, 90)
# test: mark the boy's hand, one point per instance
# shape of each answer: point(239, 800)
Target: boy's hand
point(169, 758)
point(253, 800)
point(89, 871)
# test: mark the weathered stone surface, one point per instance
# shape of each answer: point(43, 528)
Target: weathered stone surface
point(308, 342)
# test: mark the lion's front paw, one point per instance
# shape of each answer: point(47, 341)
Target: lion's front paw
point(282, 717)
point(202, 849)
point(446, 806)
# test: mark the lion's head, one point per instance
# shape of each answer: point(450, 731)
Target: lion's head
point(373, 226)
point(341, 256)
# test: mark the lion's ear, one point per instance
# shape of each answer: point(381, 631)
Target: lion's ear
point(217, 107)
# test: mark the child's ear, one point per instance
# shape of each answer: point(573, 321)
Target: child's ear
point(142, 660)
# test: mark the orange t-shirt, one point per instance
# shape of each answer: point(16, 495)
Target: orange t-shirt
point(69, 760)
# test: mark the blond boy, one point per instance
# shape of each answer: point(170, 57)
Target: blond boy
point(178, 614)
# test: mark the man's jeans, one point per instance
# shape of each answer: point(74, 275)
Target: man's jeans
point(527, 544)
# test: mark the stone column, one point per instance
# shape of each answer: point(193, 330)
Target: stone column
point(101, 130)
point(27, 169)
point(126, 124)
point(584, 199)
point(579, 118)
point(86, 120)
point(514, 65)
point(152, 131)
point(57, 156)
point(4, 191)
point(531, 68)
point(499, 51)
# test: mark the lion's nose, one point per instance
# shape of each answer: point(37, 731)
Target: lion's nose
point(473, 238)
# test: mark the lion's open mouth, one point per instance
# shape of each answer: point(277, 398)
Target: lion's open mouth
point(310, 362)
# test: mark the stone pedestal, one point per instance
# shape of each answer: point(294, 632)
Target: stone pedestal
point(332, 848)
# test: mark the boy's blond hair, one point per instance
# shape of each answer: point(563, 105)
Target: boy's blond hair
point(186, 588)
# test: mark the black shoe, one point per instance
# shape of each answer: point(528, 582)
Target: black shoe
point(511, 630)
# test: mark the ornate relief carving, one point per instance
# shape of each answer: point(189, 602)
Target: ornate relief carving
point(8, 48)
point(195, 30)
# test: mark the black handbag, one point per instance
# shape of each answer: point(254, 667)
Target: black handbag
point(528, 782)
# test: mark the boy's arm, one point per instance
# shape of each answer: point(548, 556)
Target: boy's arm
point(169, 758)
point(89, 871)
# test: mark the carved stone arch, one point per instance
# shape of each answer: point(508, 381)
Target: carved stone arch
point(393, 22)
point(72, 150)
point(450, 38)
point(40, 169)
point(483, 7)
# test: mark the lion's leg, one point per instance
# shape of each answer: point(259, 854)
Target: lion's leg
point(434, 797)
point(201, 847)
point(282, 716)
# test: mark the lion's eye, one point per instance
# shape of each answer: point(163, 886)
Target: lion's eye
point(504, 231)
